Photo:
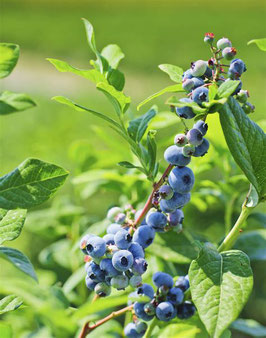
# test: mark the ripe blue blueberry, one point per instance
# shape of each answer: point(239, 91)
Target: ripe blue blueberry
point(165, 311)
point(107, 267)
point(84, 241)
point(237, 67)
point(202, 149)
point(162, 279)
point(130, 331)
point(223, 43)
point(181, 180)
point(176, 218)
point(208, 73)
point(156, 220)
point(176, 202)
point(180, 140)
point(198, 68)
point(102, 289)
point(194, 137)
point(229, 53)
point(109, 239)
point(187, 74)
point(185, 310)
point(182, 283)
point(96, 247)
point(90, 283)
point(174, 155)
point(119, 282)
point(197, 81)
point(200, 95)
point(140, 313)
point(175, 296)
point(139, 266)
point(201, 126)
point(144, 236)
point(135, 281)
point(166, 192)
point(188, 150)
point(146, 290)
point(122, 239)
point(95, 273)
point(122, 260)
point(113, 228)
point(188, 85)
point(185, 112)
point(136, 250)
point(120, 218)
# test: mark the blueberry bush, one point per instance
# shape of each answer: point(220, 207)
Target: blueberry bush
point(170, 272)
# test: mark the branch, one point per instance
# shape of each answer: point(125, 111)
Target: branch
point(151, 327)
point(87, 329)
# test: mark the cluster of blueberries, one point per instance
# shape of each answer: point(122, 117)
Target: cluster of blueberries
point(164, 304)
point(202, 74)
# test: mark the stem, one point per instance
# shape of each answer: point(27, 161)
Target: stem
point(150, 328)
point(87, 329)
point(148, 204)
point(229, 212)
point(230, 239)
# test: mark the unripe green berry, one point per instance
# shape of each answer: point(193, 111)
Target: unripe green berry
point(188, 150)
point(180, 140)
point(242, 96)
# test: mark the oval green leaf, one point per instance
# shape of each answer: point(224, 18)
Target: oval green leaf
point(11, 223)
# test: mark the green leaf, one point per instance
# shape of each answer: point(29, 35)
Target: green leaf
point(113, 54)
point(30, 184)
point(11, 223)
point(174, 101)
point(253, 243)
point(5, 330)
point(118, 99)
point(13, 102)
point(9, 54)
point(249, 327)
point(19, 260)
point(10, 303)
point(174, 72)
point(247, 143)
point(261, 43)
point(116, 79)
point(212, 91)
point(220, 285)
point(91, 74)
point(129, 165)
point(181, 331)
point(137, 127)
point(227, 88)
point(152, 151)
point(170, 89)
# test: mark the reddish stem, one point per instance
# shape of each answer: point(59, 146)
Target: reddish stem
point(148, 204)
point(87, 329)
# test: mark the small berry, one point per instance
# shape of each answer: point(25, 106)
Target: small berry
point(139, 266)
point(84, 241)
point(136, 250)
point(185, 310)
point(141, 327)
point(113, 228)
point(140, 313)
point(107, 267)
point(96, 247)
point(150, 309)
point(188, 85)
point(135, 281)
point(181, 180)
point(130, 331)
point(122, 239)
point(198, 68)
point(109, 239)
point(165, 311)
point(188, 150)
point(112, 213)
point(185, 112)
point(248, 108)
point(200, 95)
point(182, 283)
point(90, 283)
point(194, 137)
point(175, 296)
point(119, 282)
point(201, 126)
point(122, 260)
point(180, 140)
point(166, 192)
point(187, 75)
point(243, 96)
point(208, 38)
point(144, 236)
point(162, 278)
point(102, 289)
point(175, 218)
point(146, 290)
point(174, 155)
point(229, 53)
point(176, 202)
point(197, 81)
point(224, 43)
point(156, 220)
point(202, 149)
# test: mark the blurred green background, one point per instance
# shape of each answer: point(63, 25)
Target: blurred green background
point(149, 32)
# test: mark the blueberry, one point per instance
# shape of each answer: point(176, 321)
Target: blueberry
point(208, 73)
point(243, 96)
point(95, 273)
point(108, 268)
point(201, 126)
point(113, 228)
point(237, 67)
point(130, 331)
point(187, 74)
point(188, 150)
point(96, 247)
point(202, 149)
point(90, 283)
point(109, 239)
point(181, 180)
point(229, 53)
point(113, 212)
point(174, 155)
point(144, 236)
point(122, 260)
point(197, 81)
point(194, 137)
point(208, 38)
point(162, 278)
point(180, 140)
point(120, 218)
point(119, 282)
point(140, 313)
point(141, 327)
point(166, 192)
point(175, 296)
point(146, 290)
point(102, 289)
point(223, 43)
point(198, 68)
point(237, 88)
point(139, 266)
point(165, 311)
point(176, 202)
point(135, 281)
point(175, 218)
point(157, 220)
point(200, 95)
point(123, 239)
point(182, 283)
point(248, 108)
point(185, 310)
point(185, 112)
point(188, 85)
point(136, 250)
point(84, 241)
